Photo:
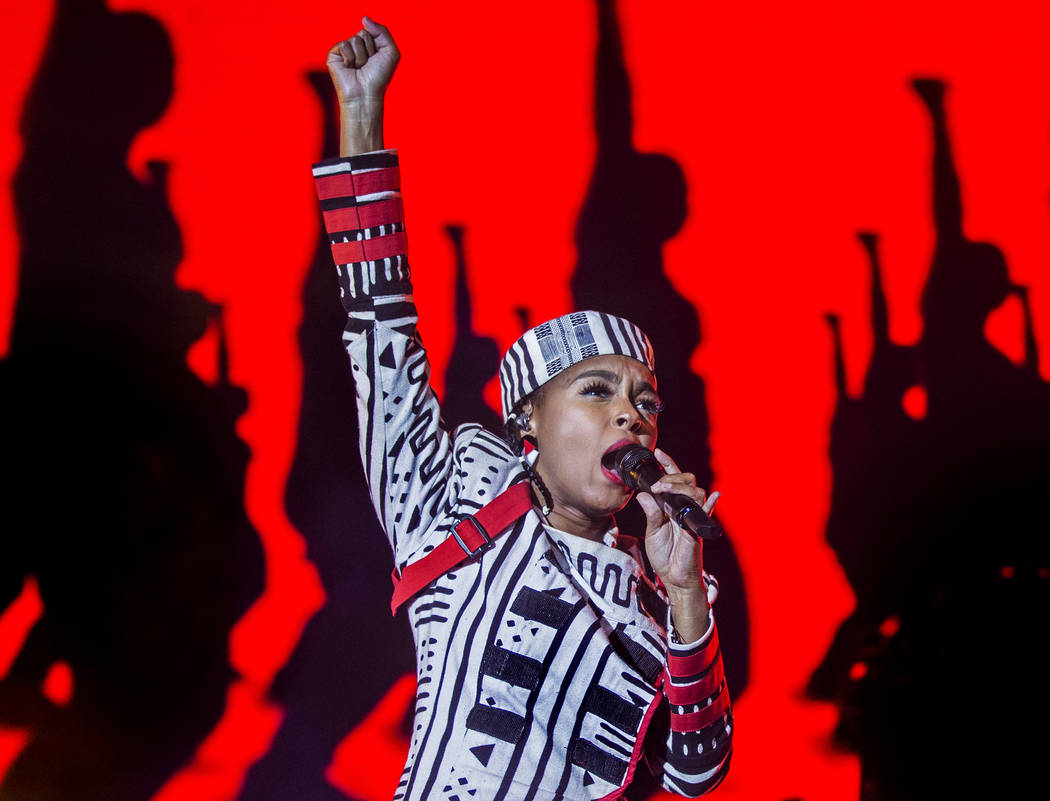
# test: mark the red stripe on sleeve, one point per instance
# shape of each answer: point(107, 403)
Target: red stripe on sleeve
point(338, 185)
point(694, 663)
point(384, 212)
point(694, 721)
point(342, 219)
point(384, 247)
point(347, 252)
point(381, 247)
point(384, 180)
point(698, 691)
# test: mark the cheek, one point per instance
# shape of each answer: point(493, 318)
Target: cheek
point(571, 442)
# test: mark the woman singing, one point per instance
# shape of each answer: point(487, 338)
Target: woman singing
point(553, 654)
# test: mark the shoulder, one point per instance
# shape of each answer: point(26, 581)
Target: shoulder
point(484, 463)
point(472, 440)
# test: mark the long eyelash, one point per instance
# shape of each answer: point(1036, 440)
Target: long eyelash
point(657, 406)
point(653, 407)
point(595, 385)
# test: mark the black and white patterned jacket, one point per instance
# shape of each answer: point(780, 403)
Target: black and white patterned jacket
point(544, 665)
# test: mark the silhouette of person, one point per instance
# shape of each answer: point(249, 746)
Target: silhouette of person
point(128, 505)
point(968, 377)
point(868, 436)
point(636, 202)
point(987, 417)
point(941, 526)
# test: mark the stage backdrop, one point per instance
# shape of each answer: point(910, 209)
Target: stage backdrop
point(832, 220)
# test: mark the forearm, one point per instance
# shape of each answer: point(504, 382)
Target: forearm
point(690, 612)
point(361, 126)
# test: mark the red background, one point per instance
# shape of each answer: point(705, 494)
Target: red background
point(795, 127)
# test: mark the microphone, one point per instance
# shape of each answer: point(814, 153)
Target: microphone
point(638, 468)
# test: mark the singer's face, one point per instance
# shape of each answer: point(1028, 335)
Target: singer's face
point(581, 414)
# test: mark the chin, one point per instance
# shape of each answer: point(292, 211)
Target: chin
point(613, 503)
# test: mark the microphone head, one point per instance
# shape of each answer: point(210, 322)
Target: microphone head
point(626, 462)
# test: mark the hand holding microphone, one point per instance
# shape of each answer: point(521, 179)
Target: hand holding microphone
point(640, 470)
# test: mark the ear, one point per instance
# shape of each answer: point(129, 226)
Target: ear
point(527, 408)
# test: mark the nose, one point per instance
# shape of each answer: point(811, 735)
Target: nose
point(629, 419)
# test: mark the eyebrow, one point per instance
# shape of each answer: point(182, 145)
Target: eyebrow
point(613, 378)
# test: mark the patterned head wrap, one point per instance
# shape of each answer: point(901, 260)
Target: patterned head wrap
point(544, 351)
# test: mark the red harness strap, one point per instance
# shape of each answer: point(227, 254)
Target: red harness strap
point(472, 536)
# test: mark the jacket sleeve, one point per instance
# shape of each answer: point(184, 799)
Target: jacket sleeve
point(406, 452)
point(695, 756)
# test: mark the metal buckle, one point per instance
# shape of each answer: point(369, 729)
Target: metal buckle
point(481, 530)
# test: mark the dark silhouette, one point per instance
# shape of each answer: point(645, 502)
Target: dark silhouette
point(635, 203)
point(347, 657)
point(474, 360)
point(968, 377)
point(941, 526)
point(868, 435)
point(127, 496)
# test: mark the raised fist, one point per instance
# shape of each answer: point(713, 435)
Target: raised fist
point(362, 66)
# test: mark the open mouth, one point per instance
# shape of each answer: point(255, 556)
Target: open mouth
point(607, 470)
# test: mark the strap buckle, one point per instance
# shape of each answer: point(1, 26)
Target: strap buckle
point(481, 530)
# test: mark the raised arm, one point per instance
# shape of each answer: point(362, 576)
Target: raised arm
point(406, 453)
point(361, 68)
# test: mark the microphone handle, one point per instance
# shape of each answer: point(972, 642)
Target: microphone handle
point(683, 510)
point(690, 516)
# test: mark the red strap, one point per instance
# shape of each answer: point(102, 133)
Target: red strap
point(493, 518)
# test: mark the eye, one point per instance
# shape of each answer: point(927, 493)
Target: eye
point(651, 406)
point(597, 388)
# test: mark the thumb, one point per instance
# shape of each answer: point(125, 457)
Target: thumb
point(654, 515)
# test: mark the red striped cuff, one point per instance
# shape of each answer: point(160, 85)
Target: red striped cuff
point(387, 179)
point(347, 184)
point(694, 721)
point(697, 691)
point(371, 215)
point(330, 186)
point(683, 664)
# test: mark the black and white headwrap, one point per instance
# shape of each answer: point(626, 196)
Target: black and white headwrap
point(548, 349)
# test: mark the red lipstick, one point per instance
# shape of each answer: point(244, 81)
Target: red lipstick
point(611, 474)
